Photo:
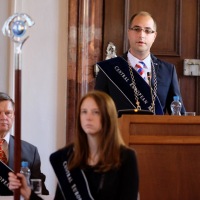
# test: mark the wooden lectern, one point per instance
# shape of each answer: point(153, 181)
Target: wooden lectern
point(168, 153)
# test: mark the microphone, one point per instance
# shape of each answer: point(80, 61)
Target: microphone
point(149, 80)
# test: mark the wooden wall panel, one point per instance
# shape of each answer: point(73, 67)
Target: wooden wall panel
point(113, 25)
point(167, 42)
point(189, 45)
point(84, 50)
point(198, 56)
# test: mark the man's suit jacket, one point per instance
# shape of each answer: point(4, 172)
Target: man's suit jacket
point(28, 153)
point(167, 86)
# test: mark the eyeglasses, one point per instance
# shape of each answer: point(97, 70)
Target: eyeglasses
point(138, 29)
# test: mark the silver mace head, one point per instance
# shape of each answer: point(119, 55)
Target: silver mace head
point(16, 26)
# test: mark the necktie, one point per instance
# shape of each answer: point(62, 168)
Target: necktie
point(2, 153)
point(140, 69)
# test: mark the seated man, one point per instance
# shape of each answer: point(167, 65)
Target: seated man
point(29, 152)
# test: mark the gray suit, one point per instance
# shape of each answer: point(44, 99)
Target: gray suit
point(28, 153)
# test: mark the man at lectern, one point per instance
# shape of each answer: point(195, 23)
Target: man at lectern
point(139, 80)
point(28, 151)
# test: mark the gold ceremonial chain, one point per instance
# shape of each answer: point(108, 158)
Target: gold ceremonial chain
point(137, 92)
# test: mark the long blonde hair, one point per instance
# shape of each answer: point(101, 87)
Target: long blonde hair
point(110, 137)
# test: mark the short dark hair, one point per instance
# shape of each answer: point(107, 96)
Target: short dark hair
point(142, 13)
point(6, 97)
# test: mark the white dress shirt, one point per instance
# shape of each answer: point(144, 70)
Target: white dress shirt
point(133, 61)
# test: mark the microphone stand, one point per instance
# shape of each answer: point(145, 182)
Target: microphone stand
point(15, 28)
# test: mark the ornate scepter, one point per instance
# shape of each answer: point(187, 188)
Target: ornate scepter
point(15, 27)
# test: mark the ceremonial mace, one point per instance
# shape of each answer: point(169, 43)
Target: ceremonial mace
point(15, 27)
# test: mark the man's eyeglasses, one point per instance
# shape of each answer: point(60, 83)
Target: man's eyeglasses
point(138, 29)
